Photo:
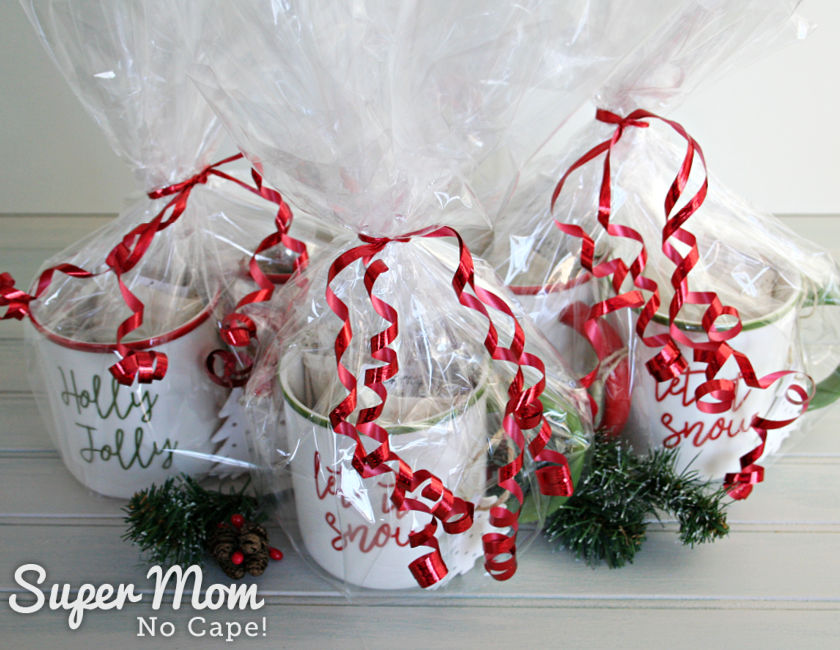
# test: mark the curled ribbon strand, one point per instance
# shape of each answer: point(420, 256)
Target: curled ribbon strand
point(18, 301)
point(669, 362)
point(152, 365)
point(523, 411)
point(237, 329)
point(605, 342)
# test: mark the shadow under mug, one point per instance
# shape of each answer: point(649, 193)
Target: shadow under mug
point(665, 414)
point(348, 524)
point(119, 439)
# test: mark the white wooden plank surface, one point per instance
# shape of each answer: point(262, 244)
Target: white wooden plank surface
point(569, 626)
point(665, 572)
point(25, 476)
point(774, 582)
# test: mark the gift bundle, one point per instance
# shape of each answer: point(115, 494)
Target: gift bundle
point(135, 343)
point(425, 419)
point(698, 322)
point(410, 409)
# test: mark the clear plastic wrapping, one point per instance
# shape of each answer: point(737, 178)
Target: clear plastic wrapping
point(784, 291)
point(443, 414)
point(725, 391)
point(124, 320)
point(395, 396)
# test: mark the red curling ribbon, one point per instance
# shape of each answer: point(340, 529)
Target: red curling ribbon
point(146, 365)
point(605, 342)
point(739, 485)
point(231, 374)
point(668, 362)
point(18, 300)
point(239, 330)
point(124, 256)
point(523, 410)
point(149, 365)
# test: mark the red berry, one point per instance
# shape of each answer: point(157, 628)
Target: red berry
point(237, 520)
point(237, 557)
point(221, 524)
point(275, 553)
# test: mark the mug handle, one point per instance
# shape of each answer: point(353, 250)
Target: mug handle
point(828, 390)
point(616, 385)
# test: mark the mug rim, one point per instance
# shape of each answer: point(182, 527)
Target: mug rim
point(323, 422)
point(144, 344)
point(746, 325)
point(555, 287)
point(663, 319)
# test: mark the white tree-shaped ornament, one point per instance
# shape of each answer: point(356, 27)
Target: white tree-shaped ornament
point(232, 438)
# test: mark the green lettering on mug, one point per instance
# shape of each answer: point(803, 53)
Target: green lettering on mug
point(108, 405)
point(126, 456)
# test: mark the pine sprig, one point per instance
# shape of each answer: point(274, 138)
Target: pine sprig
point(607, 517)
point(170, 523)
point(695, 503)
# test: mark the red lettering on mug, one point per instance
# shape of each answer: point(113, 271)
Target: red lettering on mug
point(678, 387)
point(329, 488)
point(698, 431)
point(365, 536)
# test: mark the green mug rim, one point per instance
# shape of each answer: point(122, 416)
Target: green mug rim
point(762, 321)
point(398, 429)
point(827, 390)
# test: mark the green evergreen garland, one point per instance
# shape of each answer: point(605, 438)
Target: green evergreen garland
point(607, 517)
point(171, 523)
point(605, 520)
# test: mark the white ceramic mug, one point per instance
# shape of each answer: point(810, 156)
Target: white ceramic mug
point(118, 439)
point(348, 524)
point(665, 414)
point(543, 306)
point(546, 307)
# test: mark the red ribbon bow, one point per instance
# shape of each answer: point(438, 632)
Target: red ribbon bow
point(523, 411)
point(668, 361)
point(149, 365)
point(238, 330)
point(18, 301)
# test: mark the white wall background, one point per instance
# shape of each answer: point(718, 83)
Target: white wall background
point(770, 130)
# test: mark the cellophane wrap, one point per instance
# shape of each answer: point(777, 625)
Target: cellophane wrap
point(392, 119)
point(443, 414)
point(123, 328)
point(782, 287)
point(784, 292)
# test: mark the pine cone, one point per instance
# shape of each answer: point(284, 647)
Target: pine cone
point(253, 540)
point(250, 539)
point(257, 563)
point(231, 570)
point(223, 541)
